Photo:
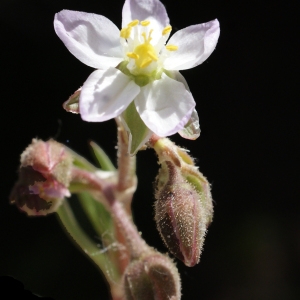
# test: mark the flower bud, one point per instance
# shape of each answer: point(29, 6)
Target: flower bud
point(44, 177)
point(152, 277)
point(183, 207)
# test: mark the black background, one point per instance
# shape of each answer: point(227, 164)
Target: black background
point(246, 94)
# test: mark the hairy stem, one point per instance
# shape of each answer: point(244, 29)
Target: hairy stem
point(135, 244)
point(126, 167)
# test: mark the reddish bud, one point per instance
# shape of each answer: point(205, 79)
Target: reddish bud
point(153, 277)
point(183, 207)
point(44, 177)
point(50, 158)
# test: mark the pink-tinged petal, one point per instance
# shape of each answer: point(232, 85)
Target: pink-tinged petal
point(151, 10)
point(49, 189)
point(106, 94)
point(91, 38)
point(165, 106)
point(195, 44)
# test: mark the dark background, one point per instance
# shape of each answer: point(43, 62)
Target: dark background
point(246, 94)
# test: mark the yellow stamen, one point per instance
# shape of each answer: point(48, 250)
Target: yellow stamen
point(145, 63)
point(132, 55)
point(171, 47)
point(166, 30)
point(145, 23)
point(133, 23)
point(152, 55)
point(125, 32)
point(143, 54)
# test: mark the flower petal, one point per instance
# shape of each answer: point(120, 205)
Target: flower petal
point(178, 77)
point(106, 94)
point(165, 105)
point(195, 44)
point(91, 38)
point(191, 130)
point(151, 10)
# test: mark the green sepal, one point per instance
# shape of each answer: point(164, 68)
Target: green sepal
point(102, 159)
point(195, 182)
point(138, 132)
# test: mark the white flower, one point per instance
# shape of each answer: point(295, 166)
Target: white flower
point(136, 64)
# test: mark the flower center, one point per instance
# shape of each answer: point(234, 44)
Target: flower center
point(146, 57)
point(144, 54)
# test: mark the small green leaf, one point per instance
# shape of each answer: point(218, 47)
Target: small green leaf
point(102, 159)
point(100, 258)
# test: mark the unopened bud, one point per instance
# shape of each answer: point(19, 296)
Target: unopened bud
point(44, 177)
point(183, 207)
point(152, 277)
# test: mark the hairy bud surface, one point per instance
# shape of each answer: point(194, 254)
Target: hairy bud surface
point(153, 277)
point(183, 207)
point(44, 177)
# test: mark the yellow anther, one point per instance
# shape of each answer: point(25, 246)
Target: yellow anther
point(133, 23)
point(166, 30)
point(171, 47)
point(145, 23)
point(125, 32)
point(132, 55)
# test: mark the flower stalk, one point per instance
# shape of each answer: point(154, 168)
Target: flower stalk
point(127, 180)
